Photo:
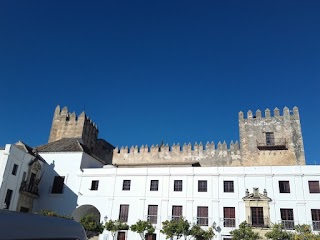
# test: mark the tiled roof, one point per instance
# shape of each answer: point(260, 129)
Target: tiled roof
point(64, 145)
point(26, 148)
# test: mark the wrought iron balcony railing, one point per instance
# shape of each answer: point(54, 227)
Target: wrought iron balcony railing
point(263, 222)
point(288, 224)
point(274, 144)
point(203, 221)
point(153, 219)
point(229, 222)
point(29, 188)
point(316, 225)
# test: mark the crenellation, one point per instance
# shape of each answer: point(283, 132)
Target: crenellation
point(249, 114)
point(258, 114)
point(267, 113)
point(276, 112)
point(296, 113)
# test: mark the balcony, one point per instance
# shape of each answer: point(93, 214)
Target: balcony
point(29, 189)
point(229, 222)
point(202, 221)
point(274, 144)
point(316, 225)
point(152, 219)
point(260, 222)
point(288, 224)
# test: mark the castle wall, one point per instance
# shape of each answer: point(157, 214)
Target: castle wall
point(285, 128)
point(206, 155)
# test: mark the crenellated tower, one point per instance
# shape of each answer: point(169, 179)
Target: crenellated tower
point(271, 139)
point(68, 125)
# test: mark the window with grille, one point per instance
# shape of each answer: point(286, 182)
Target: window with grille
point(124, 212)
point(14, 169)
point(151, 236)
point(284, 187)
point(202, 185)
point(176, 212)
point(94, 185)
point(202, 216)
point(229, 214)
point(58, 183)
point(315, 214)
point(228, 186)
point(153, 213)
point(314, 187)
point(177, 185)
point(154, 185)
point(287, 218)
point(126, 185)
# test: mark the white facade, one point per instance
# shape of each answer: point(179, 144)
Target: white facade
point(14, 168)
point(106, 200)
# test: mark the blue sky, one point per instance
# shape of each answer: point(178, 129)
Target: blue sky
point(152, 71)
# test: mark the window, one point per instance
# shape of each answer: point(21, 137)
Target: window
point(315, 214)
point(94, 185)
point(314, 187)
point(202, 216)
point(228, 186)
point(58, 183)
point(177, 185)
point(287, 218)
point(14, 169)
point(229, 215)
point(202, 185)
point(284, 187)
point(124, 212)
point(154, 185)
point(270, 138)
point(7, 200)
point(126, 185)
point(152, 213)
point(257, 218)
point(176, 212)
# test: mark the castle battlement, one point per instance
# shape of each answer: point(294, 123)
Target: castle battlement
point(176, 148)
point(287, 114)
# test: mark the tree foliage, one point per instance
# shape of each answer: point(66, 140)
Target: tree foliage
point(303, 232)
point(176, 228)
point(90, 223)
point(244, 232)
point(142, 228)
point(54, 214)
point(200, 234)
point(278, 233)
point(114, 226)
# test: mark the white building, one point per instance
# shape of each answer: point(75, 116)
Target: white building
point(20, 174)
point(78, 177)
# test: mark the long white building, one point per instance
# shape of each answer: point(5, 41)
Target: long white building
point(262, 179)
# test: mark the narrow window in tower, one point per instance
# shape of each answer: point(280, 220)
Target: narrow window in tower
point(269, 138)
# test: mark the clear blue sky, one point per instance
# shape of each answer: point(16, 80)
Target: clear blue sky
point(147, 71)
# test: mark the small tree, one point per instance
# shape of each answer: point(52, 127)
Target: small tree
point(176, 228)
point(200, 234)
point(114, 226)
point(303, 232)
point(244, 232)
point(278, 233)
point(142, 228)
point(91, 225)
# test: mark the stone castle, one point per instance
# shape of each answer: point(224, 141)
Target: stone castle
point(265, 140)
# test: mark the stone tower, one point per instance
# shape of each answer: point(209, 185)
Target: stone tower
point(271, 140)
point(68, 125)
